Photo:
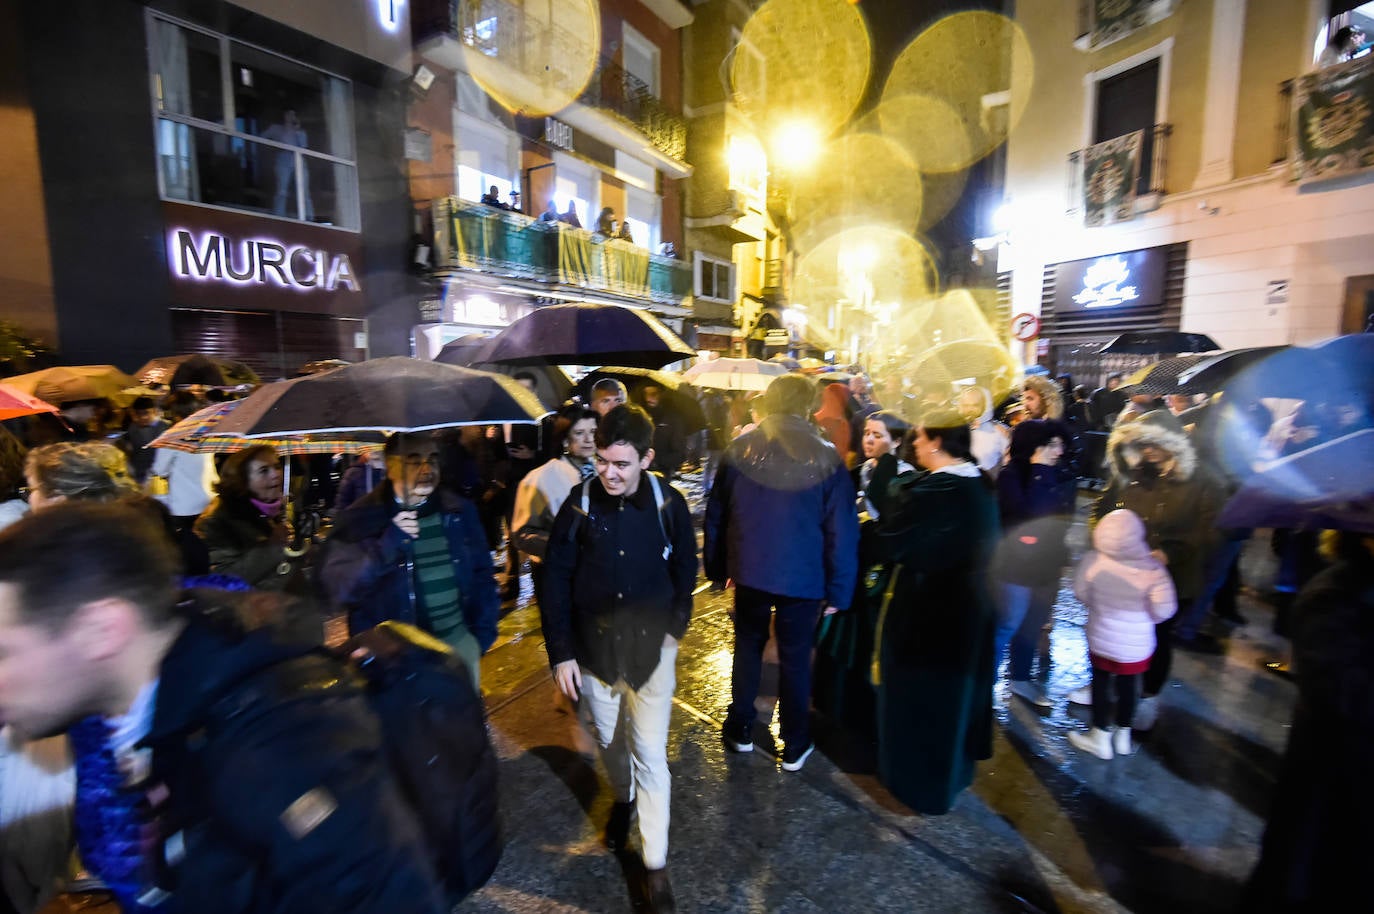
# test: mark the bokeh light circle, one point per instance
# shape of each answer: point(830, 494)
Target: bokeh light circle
point(538, 60)
point(979, 66)
point(860, 179)
point(803, 60)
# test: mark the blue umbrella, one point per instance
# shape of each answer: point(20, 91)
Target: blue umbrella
point(1329, 486)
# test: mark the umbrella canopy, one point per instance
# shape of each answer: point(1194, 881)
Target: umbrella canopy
point(786, 361)
point(551, 384)
point(671, 396)
point(1215, 371)
point(587, 334)
point(196, 368)
point(395, 394)
point(1160, 378)
point(320, 365)
point(15, 403)
point(1159, 342)
point(199, 433)
point(66, 383)
point(989, 364)
point(1326, 486)
point(735, 374)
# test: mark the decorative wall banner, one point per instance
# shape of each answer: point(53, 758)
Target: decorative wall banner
point(1110, 172)
point(1112, 20)
point(1333, 121)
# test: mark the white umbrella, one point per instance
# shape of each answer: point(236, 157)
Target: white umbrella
point(734, 374)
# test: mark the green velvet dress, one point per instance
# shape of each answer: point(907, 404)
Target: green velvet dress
point(933, 668)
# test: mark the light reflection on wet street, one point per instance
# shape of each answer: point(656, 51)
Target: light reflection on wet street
point(1173, 828)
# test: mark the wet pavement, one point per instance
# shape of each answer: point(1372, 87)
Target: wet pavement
point(1173, 828)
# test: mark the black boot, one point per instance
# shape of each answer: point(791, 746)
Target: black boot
point(617, 833)
point(659, 892)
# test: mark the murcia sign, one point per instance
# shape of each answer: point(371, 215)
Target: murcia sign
point(215, 257)
point(1106, 284)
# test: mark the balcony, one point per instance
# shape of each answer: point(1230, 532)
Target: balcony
point(476, 238)
point(1149, 187)
point(615, 106)
point(1284, 127)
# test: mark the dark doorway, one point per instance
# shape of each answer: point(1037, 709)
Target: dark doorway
point(1125, 104)
point(1358, 315)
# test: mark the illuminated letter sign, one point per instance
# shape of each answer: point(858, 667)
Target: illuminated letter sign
point(213, 257)
point(1106, 283)
point(389, 13)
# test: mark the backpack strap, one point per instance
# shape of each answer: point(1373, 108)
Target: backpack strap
point(660, 504)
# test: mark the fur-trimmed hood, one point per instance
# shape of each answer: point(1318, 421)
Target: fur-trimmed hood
point(1123, 447)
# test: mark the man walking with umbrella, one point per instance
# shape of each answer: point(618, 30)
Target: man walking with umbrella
point(414, 551)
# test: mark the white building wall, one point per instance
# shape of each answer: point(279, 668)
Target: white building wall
point(1241, 235)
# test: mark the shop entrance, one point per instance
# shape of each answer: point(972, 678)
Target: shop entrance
point(275, 344)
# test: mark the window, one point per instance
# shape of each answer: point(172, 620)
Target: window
point(574, 184)
point(1126, 102)
point(715, 279)
point(1344, 13)
point(484, 158)
point(641, 59)
point(242, 128)
point(641, 212)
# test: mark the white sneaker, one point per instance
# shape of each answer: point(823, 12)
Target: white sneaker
point(1095, 741)
point(1121, 741)
point(1146, 713)
point(1082, 696)
point(1030, 691)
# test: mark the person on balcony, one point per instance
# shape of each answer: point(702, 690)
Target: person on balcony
point(605, 223)
point(569, 217)
point(1344, 45)
point(550, 213)
point(493, 198)
point(624, 233)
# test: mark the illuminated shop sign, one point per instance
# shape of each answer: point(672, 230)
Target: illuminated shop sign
point(1134, 279)
point(213, 257)
point(389, 13)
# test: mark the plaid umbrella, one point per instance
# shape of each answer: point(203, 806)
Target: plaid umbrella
point(14, 403)
point(1161, 378)
point(198, 434)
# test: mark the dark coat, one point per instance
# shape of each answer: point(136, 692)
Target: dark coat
point(357, 481)
point(611, 596)
point(933, 659)
point(247, 545)
point(231, 787)
point(1318, 841)
point(1036, 510)
point(368, 570)
point(781, 518)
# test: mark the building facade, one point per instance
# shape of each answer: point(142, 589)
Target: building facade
point(615, 143)
point(201, 176)
point(1150, 182)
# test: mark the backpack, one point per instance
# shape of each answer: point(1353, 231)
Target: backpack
point(435, 733)
point(665, 528)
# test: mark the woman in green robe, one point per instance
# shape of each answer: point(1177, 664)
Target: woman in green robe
point(933, 667)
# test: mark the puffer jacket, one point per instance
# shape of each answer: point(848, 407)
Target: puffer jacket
point(780, 517)
point(1126, 589)
point(1179, 507)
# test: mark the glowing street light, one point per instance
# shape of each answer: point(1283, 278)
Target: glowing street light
point(796, 144)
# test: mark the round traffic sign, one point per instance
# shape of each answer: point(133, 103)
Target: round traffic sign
point(1025, 326)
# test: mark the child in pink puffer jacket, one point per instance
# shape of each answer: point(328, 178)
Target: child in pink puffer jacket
point(1127, 590)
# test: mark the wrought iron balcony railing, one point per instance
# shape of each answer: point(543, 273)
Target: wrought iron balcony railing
point(472, 236)
point(498, 29)
point(1150, 180)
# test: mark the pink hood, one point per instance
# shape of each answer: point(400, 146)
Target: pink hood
point(1121, 535)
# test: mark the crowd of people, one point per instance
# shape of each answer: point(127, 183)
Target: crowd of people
point(896, 553)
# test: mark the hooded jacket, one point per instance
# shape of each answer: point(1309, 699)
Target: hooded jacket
point(1126, 589)
point(1178, 504)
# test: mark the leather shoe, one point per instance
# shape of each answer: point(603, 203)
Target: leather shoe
point(660, 891)
point(617, 833)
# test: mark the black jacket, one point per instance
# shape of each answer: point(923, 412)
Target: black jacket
point(611, 595)
point(232, 779)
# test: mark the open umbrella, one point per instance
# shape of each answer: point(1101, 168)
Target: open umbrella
point(551, 383)
point(66, 383)
point(587, 334)
point(199, 433)
point(1323, 487)
point(786, 361)
point(394, 394)
point(196, 369)
point(15, 403)
point(1214, 371)
point(1159, 342)
point(1160, 378)
point(320, 365)
point(987, 363)
point(735, 374)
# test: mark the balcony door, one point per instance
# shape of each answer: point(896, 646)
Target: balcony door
point(1126, 103)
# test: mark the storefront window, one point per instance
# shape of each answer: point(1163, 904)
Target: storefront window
point(274, 137)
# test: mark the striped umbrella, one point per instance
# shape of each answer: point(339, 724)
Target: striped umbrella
point(196, 434)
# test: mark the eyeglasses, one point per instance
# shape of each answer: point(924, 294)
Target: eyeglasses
point(415, 462)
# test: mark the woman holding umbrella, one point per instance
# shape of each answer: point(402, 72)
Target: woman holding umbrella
point(246, 532)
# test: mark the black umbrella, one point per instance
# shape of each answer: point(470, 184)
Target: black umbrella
point(671, 396)
point(551, 384)
point(395, 394)
point(1324, 487)
point(1161, 378)
point(1215, 371)
point(587, 334)
point(1159, 342)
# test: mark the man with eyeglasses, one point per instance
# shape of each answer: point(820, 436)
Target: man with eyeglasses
point(414, 551)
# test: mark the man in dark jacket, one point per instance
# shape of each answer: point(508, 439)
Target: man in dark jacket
point(780, 522)
point(290, 807)
point(415, 551)
point(618, 578)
